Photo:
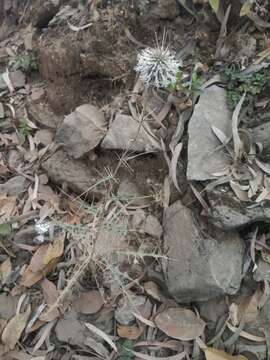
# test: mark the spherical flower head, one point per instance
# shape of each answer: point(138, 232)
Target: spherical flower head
point(158, 66)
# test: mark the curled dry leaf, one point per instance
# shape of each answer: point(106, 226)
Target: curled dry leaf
point(152, 289)
point(14, 329)
point(43, 261)
point(50, 294)
point(237, 143)
point(245, 334)
point(180, 323)
point(5, 270)
point(173, 168)
point(89, 302)
point(101, 334)
point(98, 347)
point(55, 250)
point(215, 354)
point(132, 332)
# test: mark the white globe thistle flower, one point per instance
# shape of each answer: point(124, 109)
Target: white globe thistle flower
point(158, 66)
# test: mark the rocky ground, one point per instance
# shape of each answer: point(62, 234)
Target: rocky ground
point(134, 219)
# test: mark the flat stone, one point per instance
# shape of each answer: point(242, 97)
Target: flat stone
point(14, 186)
point(82, 130)
point(152, 227)
point(228, 212)
point(205, 153)
point(44, 137)
point(203, 263)
point(17, 79)
point(74, 173)
point(126, 133)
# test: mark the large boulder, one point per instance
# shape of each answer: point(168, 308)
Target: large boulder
point(202, 263)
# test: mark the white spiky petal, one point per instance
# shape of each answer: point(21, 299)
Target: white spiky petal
point(158, 66)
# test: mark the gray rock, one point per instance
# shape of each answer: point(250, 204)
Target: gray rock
point(82, 130)
point(262, 271)
point(261, 134)
point(17, 79)
point(126, 133)
point(15, 186)
point(152, 227)
point(44, 137)
point(228, 212)
point(205, 155)
point(75, 174)
point(201, 265)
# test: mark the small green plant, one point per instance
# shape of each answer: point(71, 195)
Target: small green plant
point(25, 61)
point(191, 87)
point(238, 83)
point(24, 129)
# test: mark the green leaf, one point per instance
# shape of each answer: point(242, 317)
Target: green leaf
point(214, 5)
point(246, 8)
point(5, 229)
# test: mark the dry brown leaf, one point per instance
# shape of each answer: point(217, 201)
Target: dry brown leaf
point(220, 135)
point(263, 166)
point(30, 278)
point(14, 329)
point(102, 334)
point(5, 270)
point(249, 307)
point(55, 250)
point(89, 302)
point(50, 294)
point(98, 347)
point(152, 289)
point(245, 334)
point(7, 207)
point(241, 194)
point(78, 28)
point(237, 143)
point(132, 332)
point(37, 262)
point(44, 333)
point(7, 80)
point(174, 162)
point(180, 323)
point(215, 354)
